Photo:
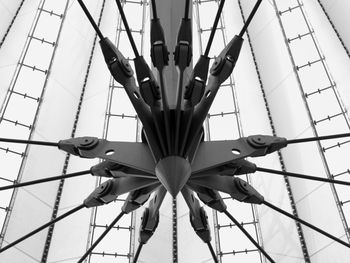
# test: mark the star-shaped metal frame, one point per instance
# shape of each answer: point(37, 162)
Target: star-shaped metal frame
point(173, 157)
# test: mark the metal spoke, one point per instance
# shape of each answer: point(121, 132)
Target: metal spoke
point(154, 9)
point(249, 236)
point(166, 110)
point(187, 10)
point(178, 111)
point(87, 253)
point(88, 15)
point(250, 18)
point(212, 252)
point(127, 29)
point(42, 227)
point(306, 224)
point(137, 254)
point(318, 138)
point(44, 180)
point(303, 176)
point(213, 30)
point(29, 142)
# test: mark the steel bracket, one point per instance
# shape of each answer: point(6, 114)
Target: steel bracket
point(111, 189)
point(116, 62)
point(218, 153)
point(129, 154)
point(183, 49)
point(150, 218)
point(236, 167)
point(210, 197)
point(137, 198)
point(149, 88)
point(196, 85)
point(236, 187)
point(198, 216)
point(159, 50)
point(111, 169)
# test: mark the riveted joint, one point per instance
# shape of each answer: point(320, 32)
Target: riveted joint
point(149, 88)
point(212, 199)
point(226, 61)
point(246, 193)
point(75, 146)
point(117, 64)
point(149, 224)
point(266, 144)
point(200, 225)
point(183, 54)
point(135, 200)
point(159, 54)
point(103, 194)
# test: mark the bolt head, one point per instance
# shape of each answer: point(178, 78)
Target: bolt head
point(259, 140)
point(217, 66)
point(126, 67)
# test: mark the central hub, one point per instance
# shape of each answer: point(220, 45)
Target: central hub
point(173, 172)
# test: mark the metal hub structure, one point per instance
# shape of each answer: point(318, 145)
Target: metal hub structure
point(173, 156)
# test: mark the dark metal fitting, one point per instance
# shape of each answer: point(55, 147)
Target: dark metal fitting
point(104, 169)
point(212, 199)
point(223, 69)
point(120, 70)
point(238, 167)
point(159, 54)
point(104, 188)
point(242, 186)
point(195, 87)
point(88, 143)
point(74, 145)
point(149, 88)
point(103, 194)
point(149, 92)
point(148, 226)
point(271, 143)
point(200, 70)
point(126, 67)
point(159, 50)
point(194, 91)
point(185, 30)
point(217, 66)
point(226, 61)
point(117, 64)
point(135, 200)
point(201, 226)
point(183, 54)
point(250, 195)
point(233, 49)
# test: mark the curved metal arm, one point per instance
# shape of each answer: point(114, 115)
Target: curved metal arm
point(220, 71)
point(133, 155)
point(215, 154)
point(236, 187)
point(111, 189)
point(123, 74)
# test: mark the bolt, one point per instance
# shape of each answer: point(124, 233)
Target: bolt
point(87, 142)
point(125, 66)
point(217, 66)
point(259, 140)
point(103, 188)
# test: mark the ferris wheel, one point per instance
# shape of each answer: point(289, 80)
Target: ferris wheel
point(174, 131)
